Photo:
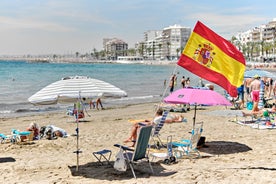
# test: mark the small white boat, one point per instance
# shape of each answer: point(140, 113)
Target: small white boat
point(130, 59)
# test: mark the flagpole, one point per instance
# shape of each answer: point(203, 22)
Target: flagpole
point(194, 118)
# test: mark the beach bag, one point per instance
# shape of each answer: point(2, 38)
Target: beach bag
point(201, 142)
point(120, 162)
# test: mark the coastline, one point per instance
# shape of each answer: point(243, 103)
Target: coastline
point(80, 60)
point(235, 153)
point(20, 108)
point(249, 65)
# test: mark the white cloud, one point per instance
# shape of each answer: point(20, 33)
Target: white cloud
point(228, 25)
point(20, 23)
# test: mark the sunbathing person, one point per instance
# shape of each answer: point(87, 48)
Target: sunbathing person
point(33, 127)
point(52, 132)
point(170, 119)
point(261, 112)
point(252, 113)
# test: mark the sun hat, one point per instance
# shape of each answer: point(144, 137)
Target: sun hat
point(256, 76)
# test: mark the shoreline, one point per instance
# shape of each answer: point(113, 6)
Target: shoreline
point(271, 66)
point(82, 61)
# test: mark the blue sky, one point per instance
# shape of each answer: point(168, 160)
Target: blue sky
point(69, 26)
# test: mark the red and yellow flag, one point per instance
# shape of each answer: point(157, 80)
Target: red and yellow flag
point(213, 58)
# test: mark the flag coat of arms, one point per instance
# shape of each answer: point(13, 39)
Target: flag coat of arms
point(213, 58)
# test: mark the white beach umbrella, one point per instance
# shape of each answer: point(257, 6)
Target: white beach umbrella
point(70, 89)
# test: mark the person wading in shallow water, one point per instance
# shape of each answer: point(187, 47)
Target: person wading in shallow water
point(172, 82)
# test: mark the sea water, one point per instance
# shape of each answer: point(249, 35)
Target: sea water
point(143, 83)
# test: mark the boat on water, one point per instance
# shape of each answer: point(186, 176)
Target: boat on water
point(130, 59)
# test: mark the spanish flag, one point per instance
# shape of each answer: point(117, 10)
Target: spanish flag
point(213, 58)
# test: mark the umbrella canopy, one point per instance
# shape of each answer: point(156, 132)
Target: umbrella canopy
point(259, 72)
point(70, 89)
point(196, 96)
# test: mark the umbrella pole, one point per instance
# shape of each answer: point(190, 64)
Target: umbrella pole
point(77, 132)
point(77, 135)
point(77, 152)
point(194, 118)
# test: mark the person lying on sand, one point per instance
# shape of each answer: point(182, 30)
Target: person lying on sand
point(53, 132)
point(170, 119)
point(260, 112)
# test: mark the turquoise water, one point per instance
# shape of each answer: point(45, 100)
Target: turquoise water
point(20, 80)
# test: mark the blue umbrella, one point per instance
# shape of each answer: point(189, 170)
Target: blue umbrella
point(259, 72)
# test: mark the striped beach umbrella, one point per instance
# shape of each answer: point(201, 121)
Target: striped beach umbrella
point(71, 89)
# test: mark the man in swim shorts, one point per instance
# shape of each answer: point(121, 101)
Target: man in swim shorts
point(255, 95)
point(255, 92)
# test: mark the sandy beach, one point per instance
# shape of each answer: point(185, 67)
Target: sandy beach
point(235, 153)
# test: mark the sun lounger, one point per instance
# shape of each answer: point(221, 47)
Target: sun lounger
point(19, 136)
point(5, 138)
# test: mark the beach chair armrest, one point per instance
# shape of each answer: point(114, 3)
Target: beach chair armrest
point(123, 147)
point(142, 124)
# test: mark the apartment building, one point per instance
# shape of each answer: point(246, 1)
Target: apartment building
point(165, 44)
point(114, 47)
point(258, 42)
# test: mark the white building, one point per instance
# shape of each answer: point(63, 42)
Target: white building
point(259, 42)
point(174, 40)
point(166, 44)
point(115, 47)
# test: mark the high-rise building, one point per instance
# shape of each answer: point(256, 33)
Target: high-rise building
point(174, 39)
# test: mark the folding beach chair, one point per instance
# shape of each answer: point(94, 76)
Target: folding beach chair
point(155, 133)
point(189, 146)
point(19, 136)
point(140, 151)
point(5, 138)
point(167, 156)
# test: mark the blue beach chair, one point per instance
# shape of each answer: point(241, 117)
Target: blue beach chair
point(155, 133)
point(18, 135)
point(4, 138)
point(189, 146)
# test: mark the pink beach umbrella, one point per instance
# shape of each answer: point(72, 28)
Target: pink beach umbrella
point(196, 96)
